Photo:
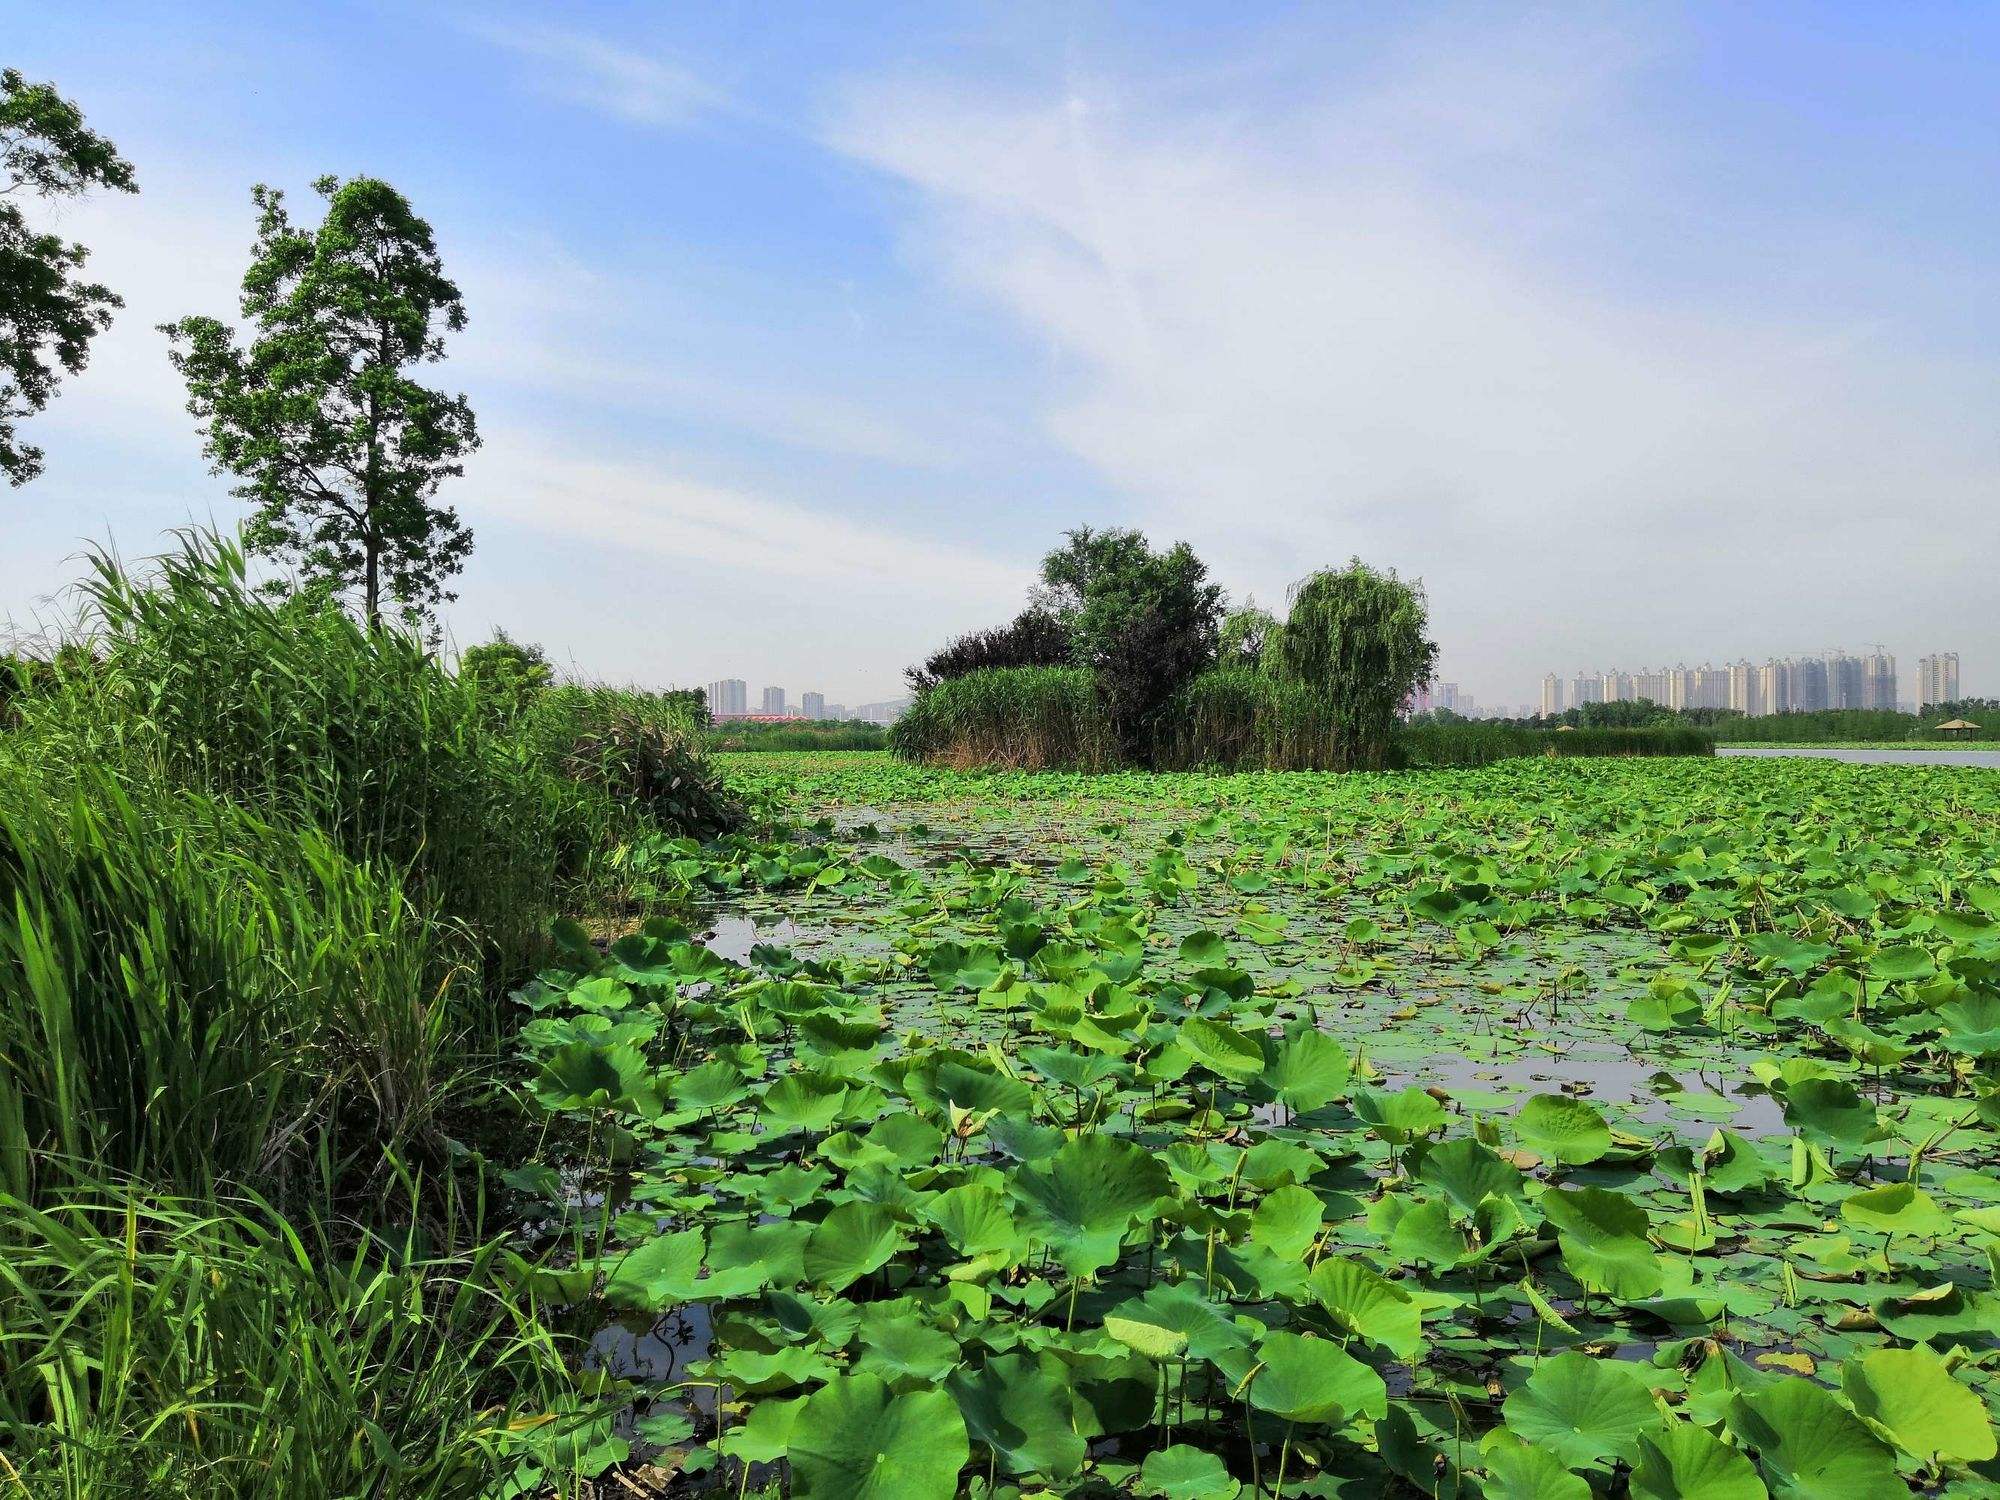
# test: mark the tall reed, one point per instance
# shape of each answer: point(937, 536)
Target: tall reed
point(191, 994)
point(1236, 719)
point(158, 1346)
point(1016, 718)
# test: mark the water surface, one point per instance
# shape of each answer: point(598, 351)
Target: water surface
point(1927, 755)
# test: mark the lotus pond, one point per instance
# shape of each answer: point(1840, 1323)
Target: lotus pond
point(1555, 1129)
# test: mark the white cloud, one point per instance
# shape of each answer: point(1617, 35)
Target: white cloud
point(1365, 321)
point(645, 507)
point(621, 81)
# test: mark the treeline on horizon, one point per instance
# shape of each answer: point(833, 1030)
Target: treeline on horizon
point(1127, 656)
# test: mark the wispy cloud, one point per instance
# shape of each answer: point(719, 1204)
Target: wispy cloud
point(1339, 322)
point(645, 507)
point(628, 83)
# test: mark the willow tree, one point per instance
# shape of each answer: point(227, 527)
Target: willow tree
point(339, 448)
point(1361, 638)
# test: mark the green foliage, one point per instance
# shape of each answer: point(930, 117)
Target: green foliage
point(48, 314)
point(1359, 637)
point(1249, 638)
point(507, 674)
point(1035, 638)
point(1144, 623)
point(338, 449)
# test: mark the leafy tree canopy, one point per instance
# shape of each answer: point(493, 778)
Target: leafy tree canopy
point(337, 447)
point(48, 313)
point(1144, 622)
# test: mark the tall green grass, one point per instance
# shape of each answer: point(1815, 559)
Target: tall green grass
point(1858, 724)
point(1235, 719)
point(263, 874)
point(492, 810)
point(193, 995)
point(736, 737)
point(1017, 718)
point(153, 1346)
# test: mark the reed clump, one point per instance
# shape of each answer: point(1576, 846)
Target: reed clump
point(1012, 718)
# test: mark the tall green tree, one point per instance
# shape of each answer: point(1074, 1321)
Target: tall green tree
point(48, 313)
point(1362, 638)
point(1144, 622)
point(339, 449)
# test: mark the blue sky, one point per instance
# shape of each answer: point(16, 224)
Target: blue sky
point(1641, 334)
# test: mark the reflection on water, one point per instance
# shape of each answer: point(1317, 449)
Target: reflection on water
point(734, 935)
point(1690, 1100)
point(1925, 756)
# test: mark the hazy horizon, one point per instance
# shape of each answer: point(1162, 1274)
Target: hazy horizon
point(1641, 336)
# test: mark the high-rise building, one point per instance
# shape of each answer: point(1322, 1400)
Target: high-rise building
point(774, 700)
point(1652, 686)
point(1680, 688)
point(1937, 679)
point(1585, 688)
point(1552, 696)
point(1846, 680)
point(813, 705)
point(1619, 687)
point(1446, 696)
point(1809, 693)
point(836, 711)
point(1743, 688)
point(729, 695)
point(1878, 679)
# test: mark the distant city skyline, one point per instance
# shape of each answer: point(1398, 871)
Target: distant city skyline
point(729, 697)
point(1833, 678)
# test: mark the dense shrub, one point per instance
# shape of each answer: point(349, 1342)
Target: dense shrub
point(506, 674)
point(1019, 718)
point(640, 754)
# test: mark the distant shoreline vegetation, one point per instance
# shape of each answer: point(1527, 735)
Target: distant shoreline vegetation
point(1126, 657)
point(1829, 726)
point(841, 734)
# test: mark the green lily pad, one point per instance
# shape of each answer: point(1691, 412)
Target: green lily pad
point(1583, 1410)
point(1563, 1129)
point(854, 1440)
point(1909, 1398)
